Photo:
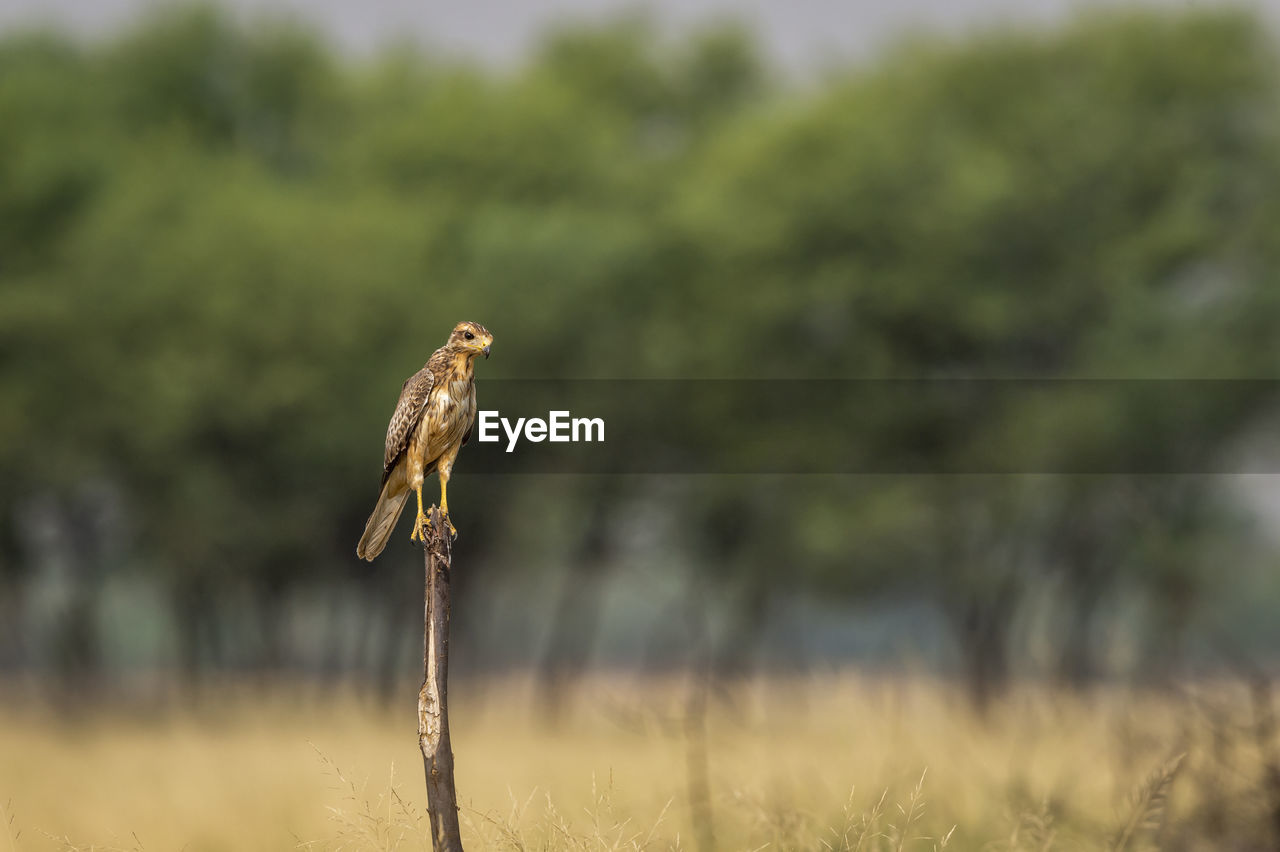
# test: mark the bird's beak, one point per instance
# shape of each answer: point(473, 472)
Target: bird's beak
point(486, 352)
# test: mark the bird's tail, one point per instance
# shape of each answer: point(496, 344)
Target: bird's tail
point(384, 517)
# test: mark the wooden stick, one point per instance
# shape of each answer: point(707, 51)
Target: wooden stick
point(433, 704)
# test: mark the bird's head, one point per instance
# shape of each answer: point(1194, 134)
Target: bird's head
point(470, 338)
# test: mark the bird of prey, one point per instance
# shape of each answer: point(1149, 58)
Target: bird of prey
point(432, 421)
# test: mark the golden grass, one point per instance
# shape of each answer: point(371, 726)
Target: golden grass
point(804, 763)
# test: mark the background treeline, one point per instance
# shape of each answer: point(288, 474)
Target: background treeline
point(223, 246)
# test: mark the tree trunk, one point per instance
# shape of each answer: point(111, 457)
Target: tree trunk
point(697, 757)
point(433, 705)
point(576, 619)
point(982, 630)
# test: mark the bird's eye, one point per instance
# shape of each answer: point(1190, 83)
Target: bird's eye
point(469, 336)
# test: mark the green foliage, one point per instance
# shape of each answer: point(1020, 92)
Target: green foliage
point(222, 247)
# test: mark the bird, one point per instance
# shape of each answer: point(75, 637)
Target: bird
point(432, 421)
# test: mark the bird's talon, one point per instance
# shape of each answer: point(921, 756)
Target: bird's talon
point(453, 532)
point(420, 527)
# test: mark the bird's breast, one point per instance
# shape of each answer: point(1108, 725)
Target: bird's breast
point(449, 414)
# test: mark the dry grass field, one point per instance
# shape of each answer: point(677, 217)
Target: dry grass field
point(808, 763)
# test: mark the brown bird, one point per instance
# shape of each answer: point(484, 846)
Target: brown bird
point(432, 421)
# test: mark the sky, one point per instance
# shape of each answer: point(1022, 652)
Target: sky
point(797, 34)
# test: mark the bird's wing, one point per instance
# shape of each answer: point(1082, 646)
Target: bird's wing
point(413, 401)
point(467, 436)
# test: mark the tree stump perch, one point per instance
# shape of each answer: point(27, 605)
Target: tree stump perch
point(433, 704)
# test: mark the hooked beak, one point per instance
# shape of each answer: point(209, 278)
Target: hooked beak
point(486, 352)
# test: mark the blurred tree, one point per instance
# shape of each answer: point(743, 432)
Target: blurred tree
point(222, 248)
point(1022, 207)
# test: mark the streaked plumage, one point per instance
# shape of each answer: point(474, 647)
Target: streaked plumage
point(432, 420)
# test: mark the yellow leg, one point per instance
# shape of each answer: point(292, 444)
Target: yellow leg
point(421, 522)
point(444, 504)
